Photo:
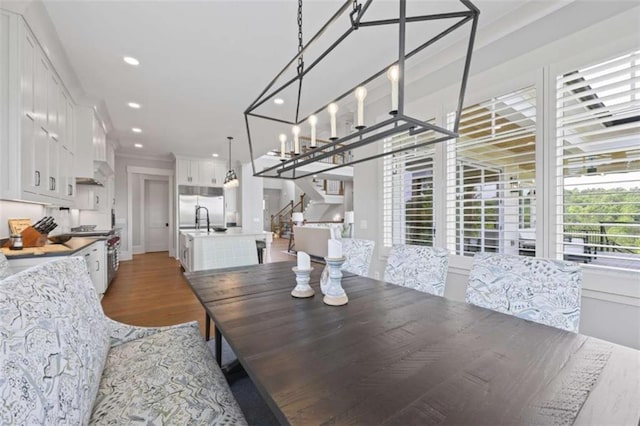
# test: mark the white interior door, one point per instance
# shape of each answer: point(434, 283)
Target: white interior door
point(156, 207)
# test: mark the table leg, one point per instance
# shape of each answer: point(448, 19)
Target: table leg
point(207, 326)
point(218, 337)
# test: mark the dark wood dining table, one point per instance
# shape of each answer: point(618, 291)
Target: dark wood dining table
point(394, 355)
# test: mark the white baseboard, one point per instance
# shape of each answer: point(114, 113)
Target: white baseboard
point(138, 250)
point(125, 255)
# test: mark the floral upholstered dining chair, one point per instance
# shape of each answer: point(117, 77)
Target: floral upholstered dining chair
point(358, 254)
point(418, 267)
point(540, 290)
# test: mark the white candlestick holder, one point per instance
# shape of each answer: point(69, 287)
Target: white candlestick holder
point(303, 289)
point(334, 294)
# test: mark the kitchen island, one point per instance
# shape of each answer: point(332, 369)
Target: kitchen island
point(201, 250)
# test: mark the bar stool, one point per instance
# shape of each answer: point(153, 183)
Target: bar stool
point(261, 245)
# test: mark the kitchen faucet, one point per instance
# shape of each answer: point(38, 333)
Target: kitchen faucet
point(198, 217)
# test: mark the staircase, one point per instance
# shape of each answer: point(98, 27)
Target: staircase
point(281, 223)
point(325, 198)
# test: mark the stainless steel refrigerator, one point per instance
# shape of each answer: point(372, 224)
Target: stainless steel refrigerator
point(190, 197)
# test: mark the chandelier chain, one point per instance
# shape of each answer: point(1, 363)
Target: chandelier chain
point(300, 43)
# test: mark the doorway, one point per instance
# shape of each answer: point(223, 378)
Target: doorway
point(155, 216)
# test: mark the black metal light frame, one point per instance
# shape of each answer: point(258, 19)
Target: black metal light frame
point(399, 121)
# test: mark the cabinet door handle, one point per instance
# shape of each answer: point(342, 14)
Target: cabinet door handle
point(37, 178)
point(97, 265)
point(70, 189)
point(97, 199)
point(29, 116)
point(50, 183)
point(54, 183)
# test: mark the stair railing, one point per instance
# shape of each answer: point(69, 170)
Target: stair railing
point(282, 220)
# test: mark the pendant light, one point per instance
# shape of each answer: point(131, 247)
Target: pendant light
point(231, 180)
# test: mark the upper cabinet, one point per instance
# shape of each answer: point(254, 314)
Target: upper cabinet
point(94, 156)
point(37, 145)
point(196, 172)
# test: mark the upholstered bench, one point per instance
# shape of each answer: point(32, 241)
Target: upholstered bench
point(62, 361)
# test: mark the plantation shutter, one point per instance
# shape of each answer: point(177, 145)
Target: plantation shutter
point(491, 177)
point(598, 151)
point(408, 190)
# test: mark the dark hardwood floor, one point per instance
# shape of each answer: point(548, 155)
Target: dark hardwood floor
point(151, 291)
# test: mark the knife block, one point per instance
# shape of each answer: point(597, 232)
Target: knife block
point(30, 238)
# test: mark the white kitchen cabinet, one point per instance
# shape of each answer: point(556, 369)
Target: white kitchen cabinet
point(185, 249)
point(93, 155)
point(91, 197)
point(94, 254)
point(212, 173)
point(35, 125)
point(187, 171)
point(191, 171)
point(67, 177)
point(96, 257)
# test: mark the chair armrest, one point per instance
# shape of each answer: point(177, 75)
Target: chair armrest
point(123, 333)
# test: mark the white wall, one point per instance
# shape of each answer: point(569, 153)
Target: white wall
point(611, 301)
point(252, 193)
point(122, 194)
point(17, 210)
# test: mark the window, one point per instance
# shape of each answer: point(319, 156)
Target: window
point(491, 177)
point(408, 190)
point(598, 160)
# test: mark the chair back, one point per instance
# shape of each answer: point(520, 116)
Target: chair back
point(55, 340)
point(540, 290)
point(358, 254)
point(5, 271)
point(418, 267)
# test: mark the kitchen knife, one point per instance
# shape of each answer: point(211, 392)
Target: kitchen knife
point(50, 227)
point(43, 228)
point(35, 226)
point(48, 220)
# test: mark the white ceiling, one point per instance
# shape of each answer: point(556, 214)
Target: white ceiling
point(201, 63)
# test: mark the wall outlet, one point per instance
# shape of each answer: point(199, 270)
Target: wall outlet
point(376, 275)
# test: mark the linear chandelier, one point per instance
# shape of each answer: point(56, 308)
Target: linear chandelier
point(305, 154)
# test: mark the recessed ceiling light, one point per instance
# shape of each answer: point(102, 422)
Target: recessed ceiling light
point(214, 155)
point(131, 60)
point(278, 101)
point(134, 105)
point(136, 130)
point(138, 145)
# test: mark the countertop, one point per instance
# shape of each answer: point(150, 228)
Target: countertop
point(72, 246)
point(230, 232)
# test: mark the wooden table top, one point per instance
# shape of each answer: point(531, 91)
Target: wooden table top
point(397, 356)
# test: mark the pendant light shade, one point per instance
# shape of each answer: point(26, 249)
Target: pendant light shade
point(231, 179)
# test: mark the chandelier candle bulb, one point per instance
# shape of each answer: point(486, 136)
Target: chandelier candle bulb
point(334, 249)
point(361, 94)
point(333, 110)
point(393, 74)
point(283, 142)
point(313, 120)
point(296, 141)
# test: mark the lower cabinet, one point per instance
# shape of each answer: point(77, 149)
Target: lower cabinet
point(185, 252)
point(95, 255)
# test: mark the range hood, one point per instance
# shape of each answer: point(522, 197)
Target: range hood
point(101, 172)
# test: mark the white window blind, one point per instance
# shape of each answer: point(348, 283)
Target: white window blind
point(408, 190)
point(598, 159)
point(491, 177)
